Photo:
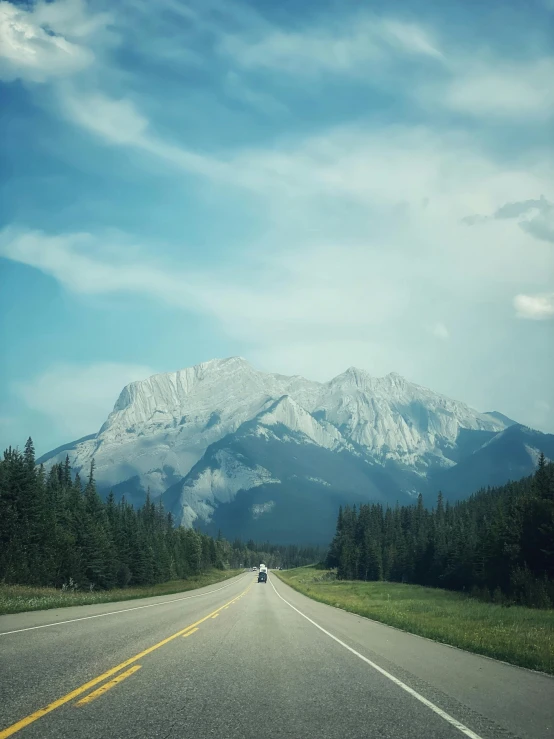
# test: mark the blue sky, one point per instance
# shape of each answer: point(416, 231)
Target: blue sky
point(309, 185)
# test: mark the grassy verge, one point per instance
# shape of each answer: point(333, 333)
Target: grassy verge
point(522, 636)
point(18, 598)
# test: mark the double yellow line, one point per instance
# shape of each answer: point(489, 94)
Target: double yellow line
point(108, 686)
point(31, 718)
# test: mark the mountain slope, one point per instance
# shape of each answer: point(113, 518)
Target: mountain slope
point(509, 455)
point(269, 478)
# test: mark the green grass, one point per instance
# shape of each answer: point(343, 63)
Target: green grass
point(18, 598)
point(521, 636)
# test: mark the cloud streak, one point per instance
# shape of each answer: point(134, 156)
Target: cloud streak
point(118, 122)
point(497, 89)
point(358, 42)
point(88, 265)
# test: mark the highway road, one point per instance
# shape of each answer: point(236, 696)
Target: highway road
point(242, 659)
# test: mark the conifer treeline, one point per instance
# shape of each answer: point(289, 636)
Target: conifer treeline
point(57, 531)
point(498, 544)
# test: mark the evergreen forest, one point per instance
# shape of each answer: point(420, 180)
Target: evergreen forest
point(56, 530)
point(497, 545)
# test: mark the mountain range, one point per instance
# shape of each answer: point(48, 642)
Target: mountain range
point(269, 456)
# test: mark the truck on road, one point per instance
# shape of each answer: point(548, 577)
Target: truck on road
point(262, 574)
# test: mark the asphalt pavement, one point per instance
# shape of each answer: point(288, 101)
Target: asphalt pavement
point(242, 659)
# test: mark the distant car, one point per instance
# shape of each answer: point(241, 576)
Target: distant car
point(254, 569)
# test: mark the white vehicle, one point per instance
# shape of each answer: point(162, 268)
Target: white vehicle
point(263, 568)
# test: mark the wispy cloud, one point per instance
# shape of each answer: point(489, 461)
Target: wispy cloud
point(403, 190)
point(72, 18)
point(94, 265)
point(410, 38)
point(379, 166)
point(440, 331)
point(116, 121)
point(535, 307)
point(497, 88)
point(119, 122)
point(350, 47)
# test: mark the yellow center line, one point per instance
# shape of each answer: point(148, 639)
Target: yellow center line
point(215, 615)
point(108, 686)
point(32, 717)
point(189, 633)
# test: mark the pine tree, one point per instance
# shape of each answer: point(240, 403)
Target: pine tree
point(10, 543)
point(29, 455)
point(66, 472)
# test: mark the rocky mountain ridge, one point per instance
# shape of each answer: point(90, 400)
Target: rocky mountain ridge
point(215, 435)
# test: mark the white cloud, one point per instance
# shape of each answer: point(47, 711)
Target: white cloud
point(399, 170)
point(70, 18)
point(250, 294)
point(500, 89)
point(46, 42)
point(78, 398)
point(394, 167)
point(117, 121)
point(535, 307)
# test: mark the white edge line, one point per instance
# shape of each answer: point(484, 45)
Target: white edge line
point(110, 613)
point(425, 638)
point(446, 716)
